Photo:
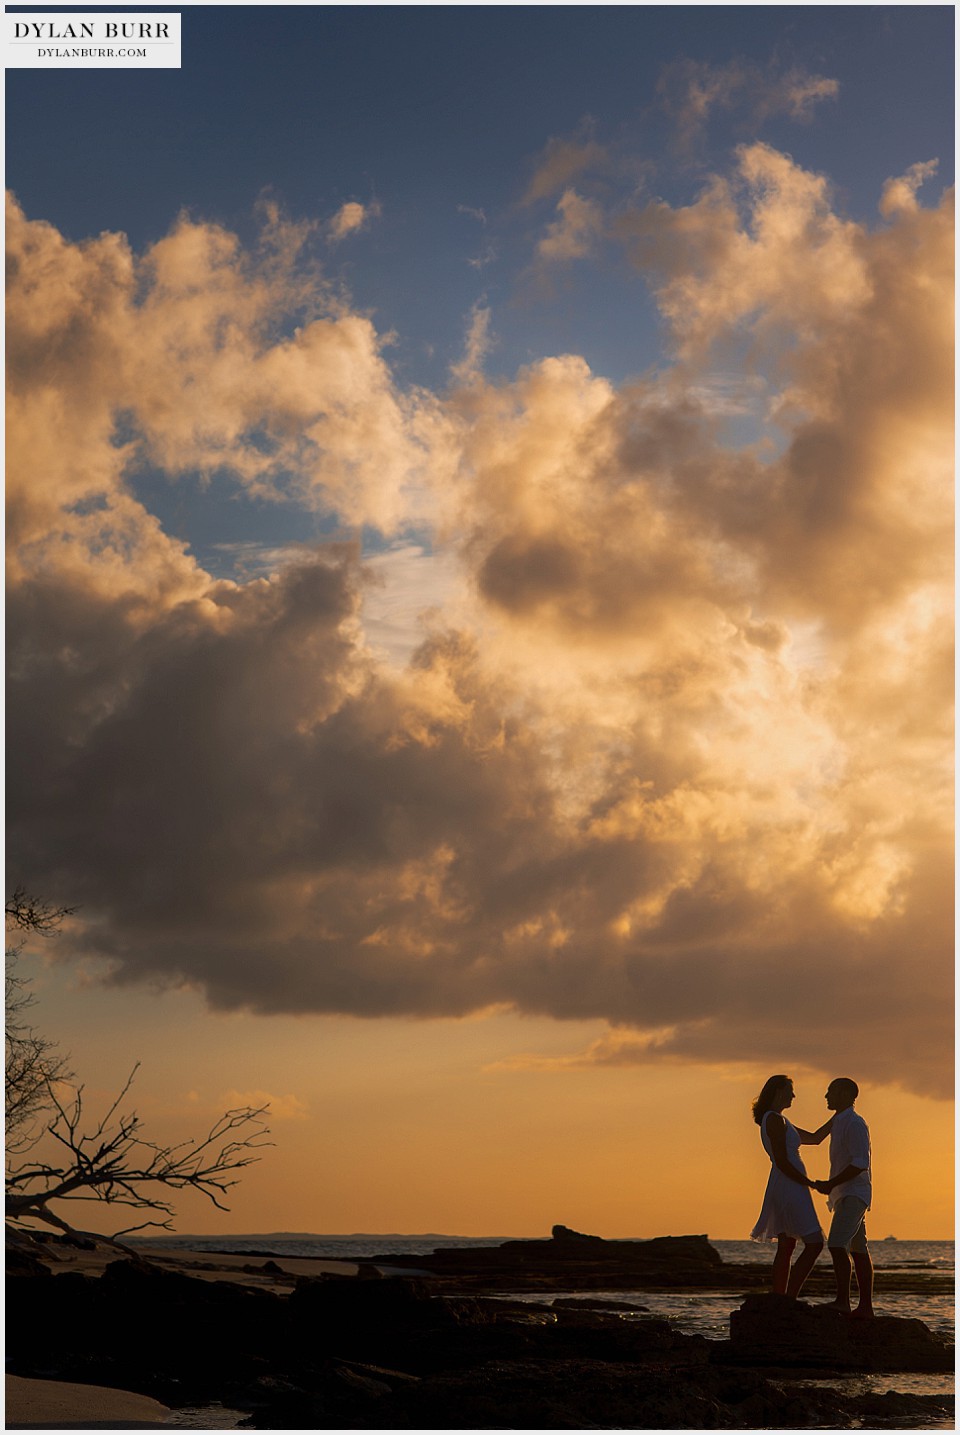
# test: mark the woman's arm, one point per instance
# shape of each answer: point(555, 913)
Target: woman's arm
point(778, 1140)
point(847, 1174)
point(813, 1138)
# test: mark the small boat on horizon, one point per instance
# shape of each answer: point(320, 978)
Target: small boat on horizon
point(889, 1238)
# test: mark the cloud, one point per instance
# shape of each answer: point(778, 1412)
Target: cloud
point(479, 342)
point(282, 1108)
point(800, 92)
point(858, 337)
point(692, 91)
point(177, 359)
point(488, 255)
point(574, 234)
point(248, 557)
point(350, 218)
point(762, 248)
point(615, 1047)
point(674, 755)
point(900, 194)
point(562, 161)
point(407, 587)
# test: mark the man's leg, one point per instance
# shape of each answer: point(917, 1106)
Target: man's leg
point(842, 1270)
point(781, 1264)
point(846, 1231)
point(863, 1266)
point(804, 1264)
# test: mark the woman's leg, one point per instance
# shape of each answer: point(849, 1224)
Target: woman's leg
point(781, 1263)
point(804, 1264)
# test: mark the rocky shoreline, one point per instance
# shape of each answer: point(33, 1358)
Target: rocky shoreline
point(438, 1352)
point(570, 1260)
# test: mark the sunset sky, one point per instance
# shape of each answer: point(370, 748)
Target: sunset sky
point(480, 490)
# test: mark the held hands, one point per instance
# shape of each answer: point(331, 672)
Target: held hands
point(823, 1187)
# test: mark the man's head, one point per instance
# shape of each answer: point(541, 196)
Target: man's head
point(841, 1093)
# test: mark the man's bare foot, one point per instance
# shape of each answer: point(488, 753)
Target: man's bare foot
point(861, 1314)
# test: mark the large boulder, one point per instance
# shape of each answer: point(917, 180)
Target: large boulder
point(22, 1261)
point(772, 1330)
point(573, 1260)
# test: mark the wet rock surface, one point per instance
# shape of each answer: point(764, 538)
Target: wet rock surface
point(770, 1330)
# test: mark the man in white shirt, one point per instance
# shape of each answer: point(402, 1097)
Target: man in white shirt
point(848, 1193)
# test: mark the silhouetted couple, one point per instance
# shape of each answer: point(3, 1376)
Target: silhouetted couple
point(788, 1214)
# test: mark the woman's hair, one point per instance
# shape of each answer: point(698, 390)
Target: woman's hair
point(764, 1101)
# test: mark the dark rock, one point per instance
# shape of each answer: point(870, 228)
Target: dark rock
point(142, 1328)
point(23, 1262)
point(394, 1379)
point(772, 1330)
point(694, 1249)
point(127, 1271)
point(398, 1323)
point(564, 1233)
point(662, 1252)
point(333, 1396)
point(268, 1268)
point(894, 1409)
point(381, 1304)
point(589, 1394)
point(571, 1259)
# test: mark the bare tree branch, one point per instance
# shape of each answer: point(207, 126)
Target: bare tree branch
point(33, 1062)
point(117, 1164)
point(27, 913)
point(110, 1160)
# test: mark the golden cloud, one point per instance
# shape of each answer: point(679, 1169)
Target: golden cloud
point(350, 218)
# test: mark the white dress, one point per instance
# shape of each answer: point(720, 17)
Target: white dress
point(787, 1206)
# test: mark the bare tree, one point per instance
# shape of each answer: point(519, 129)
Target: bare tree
point(109, 1160)
point(115, 1163)
point(33, 1063)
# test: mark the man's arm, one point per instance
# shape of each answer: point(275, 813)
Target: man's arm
point(778, 1140)
point(813, 1138)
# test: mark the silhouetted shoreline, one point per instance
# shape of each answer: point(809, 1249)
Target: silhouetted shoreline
point(366, 1351)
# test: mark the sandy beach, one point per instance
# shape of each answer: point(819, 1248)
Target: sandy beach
point(62, 1405)
point(205, 1265)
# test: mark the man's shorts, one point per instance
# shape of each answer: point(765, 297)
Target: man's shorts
point(847, 1228)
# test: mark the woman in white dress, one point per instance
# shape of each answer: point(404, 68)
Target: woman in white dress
point(787, 1214)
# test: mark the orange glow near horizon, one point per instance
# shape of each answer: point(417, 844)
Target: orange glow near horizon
point(402, 1127)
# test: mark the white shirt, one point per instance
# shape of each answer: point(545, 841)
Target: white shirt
point(850, 1146)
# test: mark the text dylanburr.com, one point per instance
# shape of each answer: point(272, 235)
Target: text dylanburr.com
point(70, 40)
